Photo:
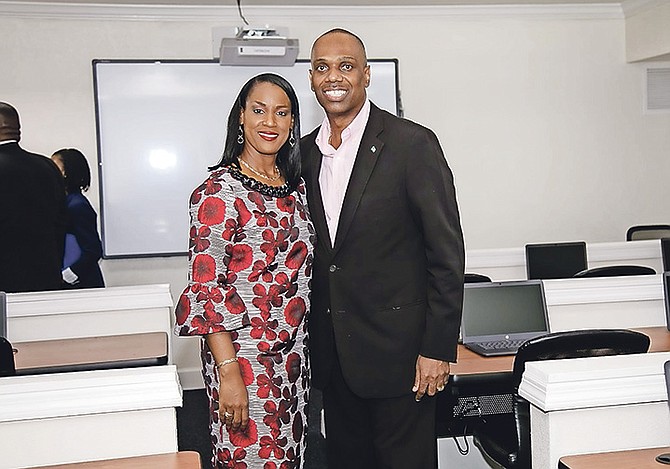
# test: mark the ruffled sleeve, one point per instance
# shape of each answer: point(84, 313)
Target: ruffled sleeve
point(210, 302)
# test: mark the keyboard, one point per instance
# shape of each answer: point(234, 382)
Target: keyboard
point(502, 344)
point(497, 347)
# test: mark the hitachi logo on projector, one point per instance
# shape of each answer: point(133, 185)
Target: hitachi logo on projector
point(261, 50)
point(258, 51)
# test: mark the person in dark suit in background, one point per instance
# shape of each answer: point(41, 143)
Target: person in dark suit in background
point(83, 248)
point(32, 213)
point(387, 285)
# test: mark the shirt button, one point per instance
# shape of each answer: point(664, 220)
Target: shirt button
point(332, 268)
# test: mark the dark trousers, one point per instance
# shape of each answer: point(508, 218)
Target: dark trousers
point(391, 433)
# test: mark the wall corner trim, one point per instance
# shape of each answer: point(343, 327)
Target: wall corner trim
point(127, 12)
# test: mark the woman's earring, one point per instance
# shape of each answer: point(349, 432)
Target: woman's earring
point(240, 135)
point(291, 140)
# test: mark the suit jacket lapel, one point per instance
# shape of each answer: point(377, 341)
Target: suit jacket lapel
point(316, 209)
point(366, 158)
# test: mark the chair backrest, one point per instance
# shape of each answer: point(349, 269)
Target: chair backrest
point(476, 278)
point(638, 232)
point(564, 345)
point(616, 271)
point(7, 366)
point(578, 344)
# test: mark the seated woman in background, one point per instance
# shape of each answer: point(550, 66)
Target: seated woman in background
point(83, 248)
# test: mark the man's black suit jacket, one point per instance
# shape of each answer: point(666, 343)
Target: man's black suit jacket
point(391, 288)
point(32, 221)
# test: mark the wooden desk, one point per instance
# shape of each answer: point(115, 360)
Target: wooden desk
point(637, 458)
point(660, 338)
point(479, 382)
point(88, 353)
point(470, 363)
point(180, 460)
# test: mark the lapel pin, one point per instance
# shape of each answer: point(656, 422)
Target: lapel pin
point(373, 148)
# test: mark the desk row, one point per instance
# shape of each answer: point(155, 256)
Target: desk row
point(565, 259)
point(515, 311)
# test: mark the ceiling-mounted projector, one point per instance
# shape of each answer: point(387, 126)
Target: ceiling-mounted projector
point(258, 46)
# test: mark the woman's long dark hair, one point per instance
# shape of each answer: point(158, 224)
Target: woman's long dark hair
point(77, 171)
point(288, 157)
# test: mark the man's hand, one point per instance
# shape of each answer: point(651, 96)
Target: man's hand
point(431, 376)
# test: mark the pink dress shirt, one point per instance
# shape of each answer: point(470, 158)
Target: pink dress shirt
point(337, 164)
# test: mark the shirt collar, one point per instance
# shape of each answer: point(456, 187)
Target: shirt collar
point(4, 142)
point(356, 127)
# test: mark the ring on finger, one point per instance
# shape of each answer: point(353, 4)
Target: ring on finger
point(227, 415)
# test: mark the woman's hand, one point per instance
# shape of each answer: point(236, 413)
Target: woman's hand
point(233, 398)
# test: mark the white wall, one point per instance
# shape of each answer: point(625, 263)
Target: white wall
point(647, 32)
point(539, 114)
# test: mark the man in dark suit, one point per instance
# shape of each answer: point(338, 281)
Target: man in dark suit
point(387, 284)
point(32, 213)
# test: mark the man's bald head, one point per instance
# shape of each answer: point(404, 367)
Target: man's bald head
point(10, 127)
point(345, 32)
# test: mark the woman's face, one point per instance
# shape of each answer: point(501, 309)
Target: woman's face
point(266, 120)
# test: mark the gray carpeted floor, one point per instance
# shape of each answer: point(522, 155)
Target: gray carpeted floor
point(193, 431)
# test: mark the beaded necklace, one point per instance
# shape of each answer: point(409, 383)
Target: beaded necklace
point(258, 186)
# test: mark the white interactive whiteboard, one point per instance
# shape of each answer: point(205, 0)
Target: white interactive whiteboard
point(161, 123)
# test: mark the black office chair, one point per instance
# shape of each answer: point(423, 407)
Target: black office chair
point(504, 440)
point(615, 271)
point(638, 232)
point(476, 278)
point(7, 365)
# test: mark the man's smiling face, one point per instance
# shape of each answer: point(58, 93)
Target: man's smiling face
point(339, 75)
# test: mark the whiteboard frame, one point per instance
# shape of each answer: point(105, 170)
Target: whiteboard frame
point(111, 248)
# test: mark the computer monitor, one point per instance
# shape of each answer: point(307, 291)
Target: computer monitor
point(494, 311)
point(3, 314)
point(665, 252)
point(555, 260)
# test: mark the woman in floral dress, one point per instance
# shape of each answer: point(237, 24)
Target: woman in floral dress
point(250, 257)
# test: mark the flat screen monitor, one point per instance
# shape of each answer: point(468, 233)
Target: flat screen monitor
point(503, 310)
point(3, 314)
point(665, 251)
point(555, 260)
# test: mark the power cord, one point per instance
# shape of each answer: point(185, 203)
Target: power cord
point(470, 406)
point(239, 10)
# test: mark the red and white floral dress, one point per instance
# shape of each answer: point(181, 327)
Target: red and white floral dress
point(250, 259)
